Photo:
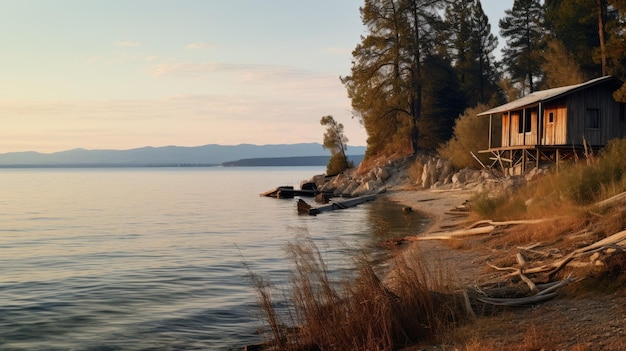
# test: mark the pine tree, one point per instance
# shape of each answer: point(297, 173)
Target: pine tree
point(385, 84)
point(336, 142)
point(560, 66)
point(592, 35)
point(523, 27)
point(616, 44)
point(483, 45)
point(573, 23)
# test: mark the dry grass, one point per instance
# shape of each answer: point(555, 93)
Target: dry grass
point(531, 338)
point(572, 189)
point(359, 312)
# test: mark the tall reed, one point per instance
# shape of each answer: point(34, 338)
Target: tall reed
point(359, 311)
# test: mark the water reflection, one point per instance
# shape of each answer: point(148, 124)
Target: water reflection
point(388, 220)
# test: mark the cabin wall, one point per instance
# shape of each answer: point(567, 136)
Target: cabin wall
point(555, 127)
point(506, 129)
point(530, 138)
point(594, 116)
point(516, 131)
point(590, 114)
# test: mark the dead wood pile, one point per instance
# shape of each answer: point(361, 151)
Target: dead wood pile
point(533, 279)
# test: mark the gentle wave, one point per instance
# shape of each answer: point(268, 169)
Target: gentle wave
point(154, 259)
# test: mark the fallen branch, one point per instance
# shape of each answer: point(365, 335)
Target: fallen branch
point(544, 292)
point(617, 239)
point(518, 301)
point(507, 223)
point(454, 234)
point(612, 200)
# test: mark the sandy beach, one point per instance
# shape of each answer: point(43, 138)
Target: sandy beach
point(436, 204)
point(573, 321)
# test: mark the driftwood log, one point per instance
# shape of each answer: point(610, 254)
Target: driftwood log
point(542, 292)
point(476, 228)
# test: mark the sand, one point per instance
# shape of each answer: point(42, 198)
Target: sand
point(436, 204)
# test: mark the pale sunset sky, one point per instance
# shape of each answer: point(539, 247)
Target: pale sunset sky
point(122, 74)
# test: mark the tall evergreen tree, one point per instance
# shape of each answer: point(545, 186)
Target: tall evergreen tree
point(560, 66)
point(483, 45)
point(616, 44)
point(573, 23)
point(385, 84)
point(458, 30)
point(443, 102)
point(523, 29)
point(591, 33)
point(470, 45)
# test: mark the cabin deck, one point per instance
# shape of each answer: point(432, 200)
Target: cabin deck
point(510, 157)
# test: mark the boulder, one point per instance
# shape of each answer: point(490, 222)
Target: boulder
point(366, 188)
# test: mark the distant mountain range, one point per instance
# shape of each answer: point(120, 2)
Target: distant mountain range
point(206, 155)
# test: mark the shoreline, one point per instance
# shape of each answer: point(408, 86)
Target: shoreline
point(435, 204)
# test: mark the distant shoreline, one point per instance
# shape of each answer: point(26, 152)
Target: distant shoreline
point(298, 161)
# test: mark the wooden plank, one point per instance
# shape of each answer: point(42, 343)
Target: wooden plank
point(274, 192)
point(340, 205)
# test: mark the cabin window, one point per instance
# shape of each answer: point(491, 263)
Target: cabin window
point(524, 122)
point(592, 118)
point(551, 117)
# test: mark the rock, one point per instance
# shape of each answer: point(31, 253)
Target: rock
point(319, 180)
point(365, 188)
point(322, 198)
point(532, 174)
point(348, 189)
point(382, 174)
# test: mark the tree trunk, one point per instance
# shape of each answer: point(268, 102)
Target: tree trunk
point(601, 35)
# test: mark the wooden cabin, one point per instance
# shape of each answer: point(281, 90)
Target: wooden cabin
point(555, 124)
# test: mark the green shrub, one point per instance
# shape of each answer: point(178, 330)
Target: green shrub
point(471, 133)
point(486, 206)
point(337, 164)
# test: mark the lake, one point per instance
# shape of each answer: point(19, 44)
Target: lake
point(153, 258)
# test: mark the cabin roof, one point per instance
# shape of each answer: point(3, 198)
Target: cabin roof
point(544, 96)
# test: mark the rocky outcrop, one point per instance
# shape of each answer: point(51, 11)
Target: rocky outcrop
point(377, 179)
point(421, 172)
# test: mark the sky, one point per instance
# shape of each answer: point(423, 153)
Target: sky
point(123, 74)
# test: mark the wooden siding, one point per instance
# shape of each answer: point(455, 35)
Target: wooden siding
point(511, 127)
point(506, 130)
point(530, 138)
point(609, 127)
point(590, 114)
point(555, 132)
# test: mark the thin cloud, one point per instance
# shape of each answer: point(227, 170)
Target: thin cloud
point(199, 46)
point(242, 72)
point(127, 43)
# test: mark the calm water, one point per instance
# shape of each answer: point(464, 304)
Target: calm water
point(151, 258)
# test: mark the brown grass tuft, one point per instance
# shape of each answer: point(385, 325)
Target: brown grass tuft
point(360, 312)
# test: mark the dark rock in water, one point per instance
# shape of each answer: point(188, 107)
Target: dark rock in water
point(303, 207)
point(308, 186)
point(323, 198)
